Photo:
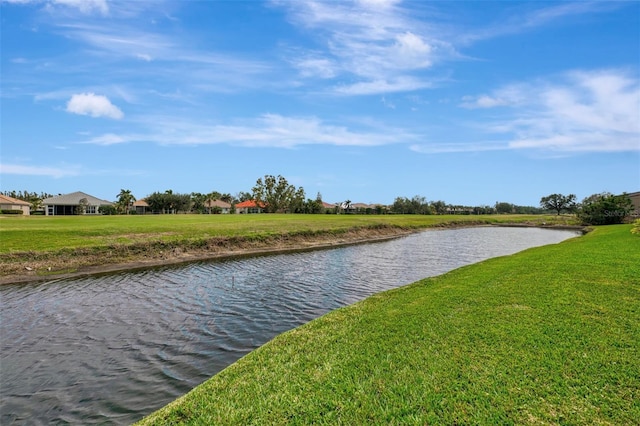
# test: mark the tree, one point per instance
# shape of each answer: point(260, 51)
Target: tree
point(416, 205)
point(198, 199)
point(36, 203)
point(81, 208)
point(605, 209)
point(157, 202)
point(277, 194)
point(440, 207)
point(125, 200)
point(503, 208)
point(243, 196)
point(313, 206)
point(168, 202)
point(559, 202)
point(297, 204)
point(227, 198)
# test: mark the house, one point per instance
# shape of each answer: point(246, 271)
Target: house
point(72, 204)
point(10, 203)
point(213, 206)
point(140, 206)
point(249, 206)
point(329, 206)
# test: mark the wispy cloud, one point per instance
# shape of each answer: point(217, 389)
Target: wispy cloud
point(376, 42)
point(93, 105)
point(582, 111)
point(268, 130)
point(530, 16)
point(18, 169)
point(400, 84)
point(84, 6)
point(442, 148)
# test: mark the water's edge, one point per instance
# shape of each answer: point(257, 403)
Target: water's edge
point(112, 348)
point(309, 245)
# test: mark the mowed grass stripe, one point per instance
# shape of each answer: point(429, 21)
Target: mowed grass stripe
point(51, 233)
point(547, 336)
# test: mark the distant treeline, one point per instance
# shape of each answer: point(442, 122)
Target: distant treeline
point(26, 195)
point(420, 205)
point(168, 201)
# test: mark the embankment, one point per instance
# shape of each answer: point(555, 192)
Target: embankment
point(547, 336)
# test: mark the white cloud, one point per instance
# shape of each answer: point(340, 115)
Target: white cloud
point(374, 42)
point(144, 56)
point(93, 105)
point(21, 1)
point(440, 148)
point(267, 130)
point(510, 95)
point(401, 84)
point(17, 169)
point(179, 64)
point(483, 101)
point(582, 111)
point(85, 6)
point(378, 3)
point(529, 16)
point(107, 139)
point(316, 67)
point(412, 51)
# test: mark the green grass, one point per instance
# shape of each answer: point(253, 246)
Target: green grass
point(41, 233)
point(547, 336)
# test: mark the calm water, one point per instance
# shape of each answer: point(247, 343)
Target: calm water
point(113, 348)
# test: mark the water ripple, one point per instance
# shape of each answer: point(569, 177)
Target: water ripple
point(110, 349)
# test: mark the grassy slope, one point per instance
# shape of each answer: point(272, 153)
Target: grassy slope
point(550, 335)
point(38, 233)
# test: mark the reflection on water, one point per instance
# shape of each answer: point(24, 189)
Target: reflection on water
point(113, 348)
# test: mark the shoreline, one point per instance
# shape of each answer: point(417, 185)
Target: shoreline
point(178, 255)
point(377, 359)
point(84, 262)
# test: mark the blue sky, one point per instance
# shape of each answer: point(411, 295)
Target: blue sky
point(365, 100)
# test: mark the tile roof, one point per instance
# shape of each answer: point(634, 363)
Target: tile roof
point(248, 204)
point(10, 200)
point(140, 203)
point(73, 199)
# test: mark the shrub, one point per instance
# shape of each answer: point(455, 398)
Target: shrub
point(10, 211)
point(107, 210)
point(605, 209)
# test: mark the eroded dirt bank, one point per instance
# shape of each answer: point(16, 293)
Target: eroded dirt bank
point(22, 267)
point(41, 266)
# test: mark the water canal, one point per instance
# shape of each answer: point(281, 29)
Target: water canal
point(110, 349)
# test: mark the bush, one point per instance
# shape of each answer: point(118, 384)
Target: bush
point(605, 209)
point(107, 210)
point(636, 227)
point(11, 211)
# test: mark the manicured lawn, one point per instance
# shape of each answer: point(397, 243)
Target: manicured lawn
point(547, 336)
point(39, 233)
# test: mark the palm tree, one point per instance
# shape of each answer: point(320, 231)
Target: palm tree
point(125, 200)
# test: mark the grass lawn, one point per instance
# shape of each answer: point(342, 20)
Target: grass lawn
point(51, 233)
point(547, 336)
